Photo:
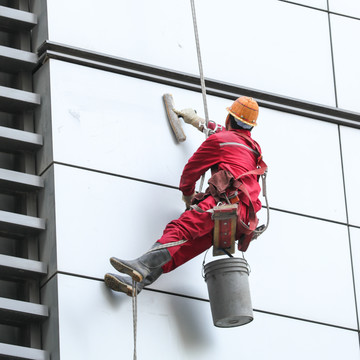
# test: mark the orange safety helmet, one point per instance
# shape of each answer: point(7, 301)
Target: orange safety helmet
point(245, 109)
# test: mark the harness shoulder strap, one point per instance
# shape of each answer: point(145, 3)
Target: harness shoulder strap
point(252, 142)
point(261, 169)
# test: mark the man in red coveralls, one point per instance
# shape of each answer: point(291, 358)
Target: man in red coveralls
point(228, 152)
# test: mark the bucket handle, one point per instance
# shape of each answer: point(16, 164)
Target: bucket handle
point(203, 265)
point(227, 253)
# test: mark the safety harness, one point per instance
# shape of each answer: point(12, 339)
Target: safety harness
point(230, 192)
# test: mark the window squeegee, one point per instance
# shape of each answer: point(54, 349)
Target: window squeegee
point(173, 118)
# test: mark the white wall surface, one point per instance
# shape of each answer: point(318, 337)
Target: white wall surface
point(355, 248)
point(157, 32)
point(270, 45)
point(100, 216)
point(345, 7)
point(301, 267)
point(240, 43)
point(116, 166)
point(346, 60)
point(304, 164)
point(320, 4)
point(98, 116)
point(89, 137)
point(180, 328)
point(350, 144)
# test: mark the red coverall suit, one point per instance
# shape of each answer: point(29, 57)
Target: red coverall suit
point(224, 150)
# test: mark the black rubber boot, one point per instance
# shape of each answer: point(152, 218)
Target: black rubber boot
point(146, 266)
point(124, 283)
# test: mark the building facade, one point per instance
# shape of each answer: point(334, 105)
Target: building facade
point(89, 169)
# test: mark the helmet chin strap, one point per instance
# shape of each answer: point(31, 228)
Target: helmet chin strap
point(227, 123)
point(243, 125)
point(238, 122)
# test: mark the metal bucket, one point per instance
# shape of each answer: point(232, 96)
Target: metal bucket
point(228, 286)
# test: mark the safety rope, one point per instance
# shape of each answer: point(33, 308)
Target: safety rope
point(134, 290)
point(167, 245)
point(264, 190)
point(134, 308)
point(202, 80)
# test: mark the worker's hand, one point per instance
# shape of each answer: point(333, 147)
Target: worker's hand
point(190, 117)
point(187, 200)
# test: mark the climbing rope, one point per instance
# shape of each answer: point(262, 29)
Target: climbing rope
point(166, 246)
point(202, 80)
point(203, 91)
point(134, 291)
point(134, 308)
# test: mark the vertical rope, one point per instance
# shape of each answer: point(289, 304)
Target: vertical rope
point(202, 80)
point(134, 308)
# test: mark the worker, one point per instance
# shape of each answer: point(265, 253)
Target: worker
point(229, 152)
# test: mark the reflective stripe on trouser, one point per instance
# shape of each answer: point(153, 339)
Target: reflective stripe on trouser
point(196, 228)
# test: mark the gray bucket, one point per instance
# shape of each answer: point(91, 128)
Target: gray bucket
point(228, 286)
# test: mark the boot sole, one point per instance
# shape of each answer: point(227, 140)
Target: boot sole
point(115, 284)
point(121, 267)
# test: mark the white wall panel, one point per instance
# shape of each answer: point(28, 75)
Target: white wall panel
point(111, 129)
point(350, 145)
point(301, 267)
point(283, 52)
point(346, 61)
point(96, 323)
point(115, 217)
point(355, 251)
point(118, 124)
point(156, 32)
point(304, 164)
point(98, 117)
point(345, 7)
point(320, 4)
point(99, 216)
point(269, 53)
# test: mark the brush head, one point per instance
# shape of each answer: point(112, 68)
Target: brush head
point(173, 118)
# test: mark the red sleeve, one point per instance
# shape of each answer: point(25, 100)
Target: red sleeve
point(203, 159)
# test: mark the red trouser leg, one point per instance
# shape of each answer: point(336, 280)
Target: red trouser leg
point(193, 226)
